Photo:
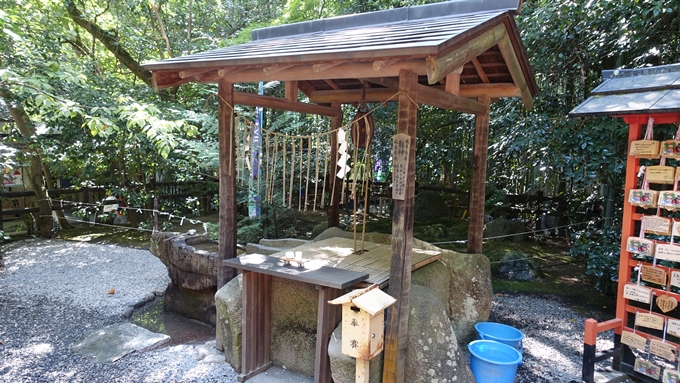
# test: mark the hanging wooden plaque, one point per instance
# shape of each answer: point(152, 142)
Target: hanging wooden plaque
point(671, 376)
point(637, 293)
point(654, 275)
point(667, 252)
point(643, 197)
point(675, 231)
point(633, 340)
point(648, 368)
point(673, 327)
point(669, 200)
point(400, 157)
point(675, 278)
point(666, 303)
point(670, 149)
point(645, 149)
point(657, 225)
point(649, 320)
point(660, 174)
point(641, 246)
point(663, 349)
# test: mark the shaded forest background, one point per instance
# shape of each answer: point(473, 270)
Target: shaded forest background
point(72, 69)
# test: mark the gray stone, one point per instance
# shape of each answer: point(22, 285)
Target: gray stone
point(160, 245)
point(433, 353)
point(518, 266)
point(333, 232)
point(318, 229)
point(504, 229)
point(228, 301)
point(214, 359)
point(190, 267)
point(436, 277)
point(194, 304)
point(343, 367)
point(113, 342)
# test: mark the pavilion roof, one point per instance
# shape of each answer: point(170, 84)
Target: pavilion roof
point(343, 53)
point(634, 91)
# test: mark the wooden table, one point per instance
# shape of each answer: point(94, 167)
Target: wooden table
point(256, 311)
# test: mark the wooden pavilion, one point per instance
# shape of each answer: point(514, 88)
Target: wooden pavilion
point(456, 55)
point(636, 96)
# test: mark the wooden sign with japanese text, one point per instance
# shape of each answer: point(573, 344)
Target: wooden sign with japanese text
point(666, 303)
point(675, 278)
point(400, 157)
point(673, 327)
point(645, 149)
point(649, 320)
point(660, 174)
point(667, 252)
point(634, 340)
point(657, 225)
point(663, 349)
point(654, 275)
point(637, 293)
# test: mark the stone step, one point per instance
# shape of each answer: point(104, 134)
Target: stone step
point(254, 248)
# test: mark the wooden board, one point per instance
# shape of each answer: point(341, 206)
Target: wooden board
point(339, 253)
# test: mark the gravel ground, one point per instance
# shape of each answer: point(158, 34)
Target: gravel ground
point(53, 292)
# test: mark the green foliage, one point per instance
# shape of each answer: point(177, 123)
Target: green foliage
point(601, 247)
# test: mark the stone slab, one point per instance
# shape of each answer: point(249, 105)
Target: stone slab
point(279, 375)
point(110, 343)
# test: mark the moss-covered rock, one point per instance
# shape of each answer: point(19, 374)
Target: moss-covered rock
point(228, 301)
point(432, 354)
point(504, 229)
point(436, 277)
point(194, 304)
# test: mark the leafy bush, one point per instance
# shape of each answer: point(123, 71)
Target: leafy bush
point(601, 247)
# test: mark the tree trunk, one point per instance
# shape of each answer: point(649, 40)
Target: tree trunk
point(34, 170)
point(63, 222)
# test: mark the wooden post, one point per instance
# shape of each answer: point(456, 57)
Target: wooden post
point(396, 325)
point(327, 320)
point(155, 214)
point(335, 183)
point(478, 187)
point(227, 156)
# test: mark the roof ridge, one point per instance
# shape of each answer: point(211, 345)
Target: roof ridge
point(410, 13)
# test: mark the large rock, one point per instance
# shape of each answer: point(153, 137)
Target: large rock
point(343, 367)
point(504, 229)
point(193, 304)
point(432, 354)
point(436, 277)
point(228, 302)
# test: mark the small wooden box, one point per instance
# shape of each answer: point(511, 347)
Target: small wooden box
point(670, 149)
point(363, 322)
point(645, 149)
point(659, 174)
point(643, 198)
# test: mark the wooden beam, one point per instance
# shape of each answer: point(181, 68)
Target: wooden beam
point(440, 66)
point(292, 91)
point(350, 70)
point(480, 70)
point(453, 82)
point(438, 98)
point(227, 172)
point(495, 90)
point(186, 73)
point(396, 325)
point(478, 186)
point(515, 69)
point(252, 99)
point(322, 67)
point(270, 70)
point(378, 65)
point(332, 84)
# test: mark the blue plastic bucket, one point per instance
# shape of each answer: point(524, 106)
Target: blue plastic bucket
point(493, 362)
point(500, 333)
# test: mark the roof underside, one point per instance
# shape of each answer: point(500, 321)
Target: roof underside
point(325, 56)
point(637, 91)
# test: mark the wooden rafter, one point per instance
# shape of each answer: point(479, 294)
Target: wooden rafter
point(480, 70)
point(251, 99)
point(291, 91)
point(332, 84)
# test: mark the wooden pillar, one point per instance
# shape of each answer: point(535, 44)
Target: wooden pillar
point(327, 320)
point(478, 187)
point(396, 325)
point(227, 208)
point(335, 183)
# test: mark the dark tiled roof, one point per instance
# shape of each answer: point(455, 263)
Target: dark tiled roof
point(424, 36)
point(634, 91)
